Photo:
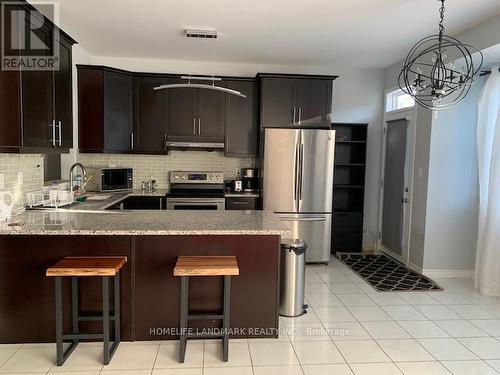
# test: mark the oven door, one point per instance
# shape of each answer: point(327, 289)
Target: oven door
point(213, 204)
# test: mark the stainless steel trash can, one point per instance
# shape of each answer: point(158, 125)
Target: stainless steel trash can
point(292, 278)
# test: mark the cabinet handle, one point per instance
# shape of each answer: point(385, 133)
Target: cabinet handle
point(194, 126)
point(54, 133)
point(199, 126)
point(60, 134)
point(300, 115)
point(165, 141)
point(132, 141)
point(293, 121)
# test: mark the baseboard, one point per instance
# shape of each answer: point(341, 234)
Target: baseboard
point(465, 274)
point(414, 267)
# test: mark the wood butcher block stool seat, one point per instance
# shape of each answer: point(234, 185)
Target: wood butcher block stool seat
point(75, 267)
point(203, 266)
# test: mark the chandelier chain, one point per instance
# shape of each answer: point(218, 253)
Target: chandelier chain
point(441, 22)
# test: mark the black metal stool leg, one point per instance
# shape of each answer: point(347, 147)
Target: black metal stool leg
point(183, 317)
point(116, 315)
point(225, 321)
point(117, 308)
point(105, 319)
point(74, 306)
point(59, 321)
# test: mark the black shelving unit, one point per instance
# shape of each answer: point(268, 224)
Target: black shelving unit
point(349, 187)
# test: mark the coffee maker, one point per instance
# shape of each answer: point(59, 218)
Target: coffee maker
point(250, 180)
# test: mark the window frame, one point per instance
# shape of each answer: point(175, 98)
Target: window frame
point(391, 96)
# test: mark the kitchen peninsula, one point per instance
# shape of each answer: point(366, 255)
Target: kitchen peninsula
point(152, 241)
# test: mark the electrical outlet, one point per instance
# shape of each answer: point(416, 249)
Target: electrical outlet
point(2, 181)
point(19, 178)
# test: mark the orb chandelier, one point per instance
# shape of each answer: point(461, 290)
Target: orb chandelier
point(439, 70)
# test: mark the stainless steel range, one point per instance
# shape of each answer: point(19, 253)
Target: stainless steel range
point(196, 191)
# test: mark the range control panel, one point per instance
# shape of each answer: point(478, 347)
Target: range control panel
point(196, 177)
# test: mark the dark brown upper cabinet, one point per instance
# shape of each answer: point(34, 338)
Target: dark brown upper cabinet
point(63, 95)
point(242, 127)
point(195, 115)
point(105, 110)
point(182, 115)
point(36, 105)
point(211, 112)
point(296, 100)
point(150, 114)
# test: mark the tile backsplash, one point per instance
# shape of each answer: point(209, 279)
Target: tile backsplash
point(156, 167)
point(31, 167)
point(145, 167)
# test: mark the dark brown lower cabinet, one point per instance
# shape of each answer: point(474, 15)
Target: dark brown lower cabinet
point(241, 203)
point(150, 294)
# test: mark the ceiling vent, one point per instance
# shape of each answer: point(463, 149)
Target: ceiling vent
point(203, 34)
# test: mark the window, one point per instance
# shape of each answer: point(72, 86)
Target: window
point(398, 99)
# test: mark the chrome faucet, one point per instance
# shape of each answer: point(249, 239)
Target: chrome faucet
point(84, 172)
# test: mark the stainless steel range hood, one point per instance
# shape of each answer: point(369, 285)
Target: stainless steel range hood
point(196, 145)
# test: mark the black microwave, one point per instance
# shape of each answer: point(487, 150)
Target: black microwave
point(110, 179)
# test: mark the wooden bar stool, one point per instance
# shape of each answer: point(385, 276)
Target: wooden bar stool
point(76, 267)
point(187, 266)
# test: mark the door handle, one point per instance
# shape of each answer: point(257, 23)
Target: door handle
point(165, 141)
point(60, 134)
point(194, 126)
point(293, 112)
point(132, 141)
point(199, 126)
point(300, 115)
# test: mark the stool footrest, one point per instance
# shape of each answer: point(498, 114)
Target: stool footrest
point(82, 336)
point(205, 316)
point(204, 335)
point(91, 318)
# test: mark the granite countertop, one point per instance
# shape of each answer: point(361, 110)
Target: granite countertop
point(139, 222)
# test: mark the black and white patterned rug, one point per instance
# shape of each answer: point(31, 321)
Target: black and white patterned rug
point(385, 274)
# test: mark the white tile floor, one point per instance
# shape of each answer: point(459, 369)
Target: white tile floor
point(350, 329)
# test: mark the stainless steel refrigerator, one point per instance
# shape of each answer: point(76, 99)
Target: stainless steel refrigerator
point(298, 184)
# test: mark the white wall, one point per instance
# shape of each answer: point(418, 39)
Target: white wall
point(453, 193)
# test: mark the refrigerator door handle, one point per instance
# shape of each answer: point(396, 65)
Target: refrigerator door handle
point(296, 176)
point(301, 170)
